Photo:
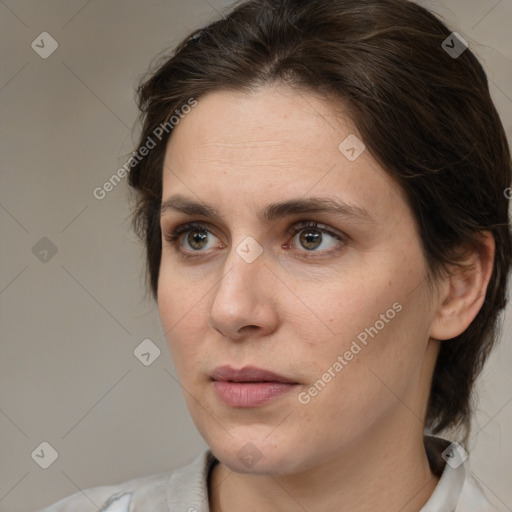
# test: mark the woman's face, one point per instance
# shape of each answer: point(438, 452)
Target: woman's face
point(340, 309)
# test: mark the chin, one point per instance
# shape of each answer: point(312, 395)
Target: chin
point(251, 460)
point(259, 456)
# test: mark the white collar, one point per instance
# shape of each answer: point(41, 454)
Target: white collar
point(449, 488)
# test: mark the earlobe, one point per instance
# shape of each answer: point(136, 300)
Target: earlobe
point(464, 290)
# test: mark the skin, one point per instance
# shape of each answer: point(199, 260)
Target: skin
point(357, 444)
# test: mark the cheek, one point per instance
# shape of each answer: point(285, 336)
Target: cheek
point(352, 309)
point(347, 397)
point(367, 285)
point(377, 323)
point(182, 312)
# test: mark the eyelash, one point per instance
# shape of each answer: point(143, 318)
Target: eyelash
point(175, 236)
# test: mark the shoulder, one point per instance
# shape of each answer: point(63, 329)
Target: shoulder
point(458, 489)
point(113, 497)
point(473, 497)
point(154, 492)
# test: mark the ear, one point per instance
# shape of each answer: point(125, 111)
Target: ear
point(462, 293)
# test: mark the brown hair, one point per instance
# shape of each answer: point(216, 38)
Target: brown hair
point(425, 116)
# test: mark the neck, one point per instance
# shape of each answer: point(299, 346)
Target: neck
point(368, 476)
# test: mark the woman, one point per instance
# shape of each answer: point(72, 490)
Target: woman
point(322, 192)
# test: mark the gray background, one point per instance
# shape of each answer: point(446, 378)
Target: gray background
point(70, 324)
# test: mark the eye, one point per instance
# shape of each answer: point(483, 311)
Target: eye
point(315, 238)
point(192, 237)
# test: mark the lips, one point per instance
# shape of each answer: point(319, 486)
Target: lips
point(249, 386)
point(248, 374)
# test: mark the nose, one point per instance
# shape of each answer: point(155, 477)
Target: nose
point(245, 300)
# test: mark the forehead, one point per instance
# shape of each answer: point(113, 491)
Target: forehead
point(271, 121)
point(274, 142)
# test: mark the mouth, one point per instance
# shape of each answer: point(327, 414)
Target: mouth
point(248, 374)
point(249, 386)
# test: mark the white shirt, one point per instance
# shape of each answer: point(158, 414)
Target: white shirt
point(186, 490)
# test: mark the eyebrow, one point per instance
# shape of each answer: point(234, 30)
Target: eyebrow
point(273, 211)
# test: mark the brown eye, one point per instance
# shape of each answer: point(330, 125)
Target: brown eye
point(197, 239)
point(310, 239)
point(313, 240)
point(192, 239)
